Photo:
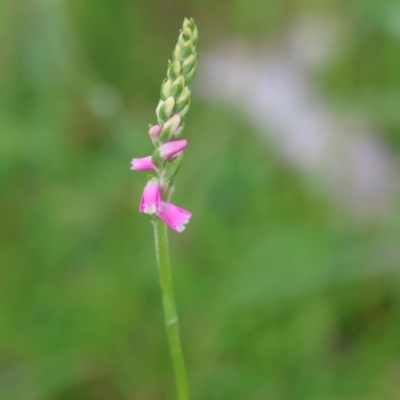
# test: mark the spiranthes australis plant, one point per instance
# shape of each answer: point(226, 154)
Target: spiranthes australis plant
point(165, 162)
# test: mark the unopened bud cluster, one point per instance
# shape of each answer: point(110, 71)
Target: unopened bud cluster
point(171, 111)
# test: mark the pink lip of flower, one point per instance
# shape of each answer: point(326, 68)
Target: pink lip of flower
point(170, 149)
point(139, 164)
point(151, 197)
point(175, 217)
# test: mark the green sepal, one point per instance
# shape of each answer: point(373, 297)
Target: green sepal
point(165, 91)
point(169, 128)
point(184, 37)
point(184, 111)
point(165, 134)
point(168, 189)
point(177, 53)
point(190, 75)
point(187, 49)
point(186, 23)
point(195, 35)
point(164, 111)
point(157, 161)
point(182, 100)
point(172, 167)
point(160, 103)
point(186, 34)
point(177, 86)
point(174, 70)
point(188, 64)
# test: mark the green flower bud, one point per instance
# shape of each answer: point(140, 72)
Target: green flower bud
point(189, 23)
point(157, 161)
point(186, 23)
point(184, 37)
point(195, 35)
point(188, 64)
point(164, 109)
point(187, 49)
point(174, 70)
point(184, 111)
point(177, 53)
point(173, 167)
point(160, 103)
point(165, 91)
point(169, 128)
point(190, 75)
point(186, 34)
point(182, 100)
point(177, 86)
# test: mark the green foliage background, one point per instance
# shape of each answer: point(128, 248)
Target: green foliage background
point(281, 295)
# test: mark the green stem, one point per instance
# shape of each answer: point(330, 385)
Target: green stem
point(170, 314)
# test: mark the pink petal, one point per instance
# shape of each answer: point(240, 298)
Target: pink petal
point(138, 164)
point(169, 149)
point(151, 197)
point(175, 217)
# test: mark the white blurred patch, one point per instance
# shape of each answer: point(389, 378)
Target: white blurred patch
point(274, 90)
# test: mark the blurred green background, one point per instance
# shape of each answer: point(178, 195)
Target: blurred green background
point(283, 293)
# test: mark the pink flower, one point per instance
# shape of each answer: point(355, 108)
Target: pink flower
point(151, 197)
point(169, 149)
point(173, 216)
point(154, 131)
point(142, 163)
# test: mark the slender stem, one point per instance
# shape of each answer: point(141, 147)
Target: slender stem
point(170, 314)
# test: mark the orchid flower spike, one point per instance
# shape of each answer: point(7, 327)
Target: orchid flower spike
point(171, 111)
point(165, 161)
